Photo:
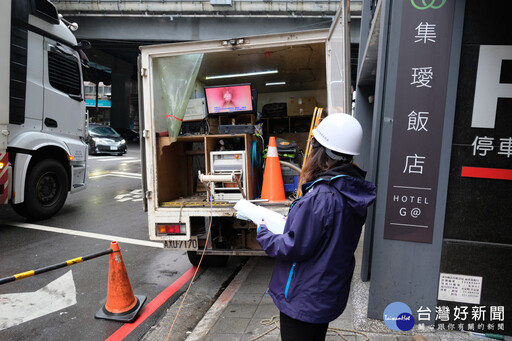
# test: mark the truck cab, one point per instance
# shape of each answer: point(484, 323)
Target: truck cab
point(43, 116)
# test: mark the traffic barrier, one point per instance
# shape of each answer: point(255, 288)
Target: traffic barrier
point(273, 188)
point(121, 304)
point(31, 273)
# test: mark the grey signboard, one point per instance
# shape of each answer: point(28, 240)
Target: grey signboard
point(418, 119)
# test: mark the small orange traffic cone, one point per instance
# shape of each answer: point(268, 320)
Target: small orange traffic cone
point(122, 304)
point(273, 188)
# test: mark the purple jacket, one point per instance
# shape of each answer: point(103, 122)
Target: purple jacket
point(315, 254)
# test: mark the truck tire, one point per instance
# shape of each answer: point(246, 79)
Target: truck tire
point(20, 209)
point(46, 190)
point(217, 261)
point(193, 257)
point(210, 260)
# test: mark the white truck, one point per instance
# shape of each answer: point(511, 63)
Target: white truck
point(301, 69)
point(42, 114)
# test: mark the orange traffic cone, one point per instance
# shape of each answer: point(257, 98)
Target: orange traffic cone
point(273, 188)
point(122, 304)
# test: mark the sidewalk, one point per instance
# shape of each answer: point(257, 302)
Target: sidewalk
point(238, 313)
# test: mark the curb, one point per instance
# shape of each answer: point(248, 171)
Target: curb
point(212, 315)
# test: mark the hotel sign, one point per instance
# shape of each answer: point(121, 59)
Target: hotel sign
point(418, 119)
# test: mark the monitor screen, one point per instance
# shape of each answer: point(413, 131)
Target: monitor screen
point(229, 99)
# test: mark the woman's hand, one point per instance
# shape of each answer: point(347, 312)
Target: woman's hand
point(262, 224)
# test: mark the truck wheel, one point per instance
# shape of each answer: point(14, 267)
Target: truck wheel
point(20, 209)
point(217, 261)
point(46, 189)
point(194, 258)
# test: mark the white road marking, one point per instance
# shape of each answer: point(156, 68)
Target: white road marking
point(118, 174)
point(125, 173)
point(26, 306)
point(121, 159)
point(88, 234)
point(122, 199)
point(135, 195)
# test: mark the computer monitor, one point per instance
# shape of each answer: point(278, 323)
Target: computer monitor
point(229, 100)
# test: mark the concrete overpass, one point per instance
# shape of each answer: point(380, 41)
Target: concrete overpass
point(116, 29)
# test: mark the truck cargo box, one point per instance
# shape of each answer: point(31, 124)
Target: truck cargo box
point(238, 78)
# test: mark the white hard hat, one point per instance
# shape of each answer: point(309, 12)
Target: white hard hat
point(341, 133)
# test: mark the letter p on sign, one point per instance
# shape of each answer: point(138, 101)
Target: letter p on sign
point(488, 87)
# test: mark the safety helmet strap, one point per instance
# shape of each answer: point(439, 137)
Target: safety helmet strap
point(337, 156)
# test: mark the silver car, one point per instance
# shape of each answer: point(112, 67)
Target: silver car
point(105, 140)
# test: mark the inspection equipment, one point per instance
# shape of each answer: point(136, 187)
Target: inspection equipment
point(228, 173)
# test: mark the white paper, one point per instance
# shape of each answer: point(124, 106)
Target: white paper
point(248, 211)
point(459, 288)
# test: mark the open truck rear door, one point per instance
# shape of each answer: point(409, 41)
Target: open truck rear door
point(339, 93)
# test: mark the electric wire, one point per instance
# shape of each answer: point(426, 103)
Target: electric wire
point(198, 265)
point(274, 320)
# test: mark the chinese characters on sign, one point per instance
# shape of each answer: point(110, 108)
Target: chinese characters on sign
point(489, 148)
point(418, 120)
point(483, 144)
point(425, 33)
point(459, 288)
point(421, 77)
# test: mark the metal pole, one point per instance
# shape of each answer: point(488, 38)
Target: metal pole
point(53, 267)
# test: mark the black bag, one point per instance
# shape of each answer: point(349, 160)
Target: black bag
point(274, 110)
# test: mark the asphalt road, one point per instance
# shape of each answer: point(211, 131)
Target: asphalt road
point(109, 209)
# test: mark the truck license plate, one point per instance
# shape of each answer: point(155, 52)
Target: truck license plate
point(189, 245)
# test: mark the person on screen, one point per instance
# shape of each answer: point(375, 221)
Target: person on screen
point(227, 96)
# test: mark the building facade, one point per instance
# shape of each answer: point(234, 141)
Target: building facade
point(434, 88)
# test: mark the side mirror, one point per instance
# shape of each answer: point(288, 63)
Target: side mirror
point(82, 45)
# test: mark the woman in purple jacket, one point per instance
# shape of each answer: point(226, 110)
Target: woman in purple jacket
point(315, 254)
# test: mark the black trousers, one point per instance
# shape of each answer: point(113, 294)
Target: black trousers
point(295, 330)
